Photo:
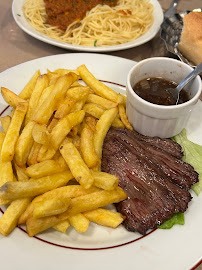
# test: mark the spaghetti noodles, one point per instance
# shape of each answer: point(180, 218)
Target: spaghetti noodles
point(102, 26)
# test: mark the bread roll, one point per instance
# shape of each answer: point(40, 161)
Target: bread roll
point(191, 38)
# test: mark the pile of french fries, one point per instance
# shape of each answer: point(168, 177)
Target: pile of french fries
point(51, 150)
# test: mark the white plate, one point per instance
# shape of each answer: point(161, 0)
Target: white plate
point(25, 26)
point(102, 248)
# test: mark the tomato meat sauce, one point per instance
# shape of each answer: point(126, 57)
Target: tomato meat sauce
point(62, 13)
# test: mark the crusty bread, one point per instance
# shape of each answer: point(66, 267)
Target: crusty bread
point(191, 38)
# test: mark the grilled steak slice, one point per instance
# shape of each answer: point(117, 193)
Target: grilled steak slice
point(152, 196)
point(178, 171)
point(166, 145)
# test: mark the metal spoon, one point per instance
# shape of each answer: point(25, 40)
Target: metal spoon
point(175, 92)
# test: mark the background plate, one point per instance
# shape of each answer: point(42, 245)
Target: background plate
point(178, 248)
point(25, 26)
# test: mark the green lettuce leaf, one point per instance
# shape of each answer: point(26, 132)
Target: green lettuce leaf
point(175, 219)
point(192, 155)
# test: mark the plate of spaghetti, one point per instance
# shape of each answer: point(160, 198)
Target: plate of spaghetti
point(89, 25)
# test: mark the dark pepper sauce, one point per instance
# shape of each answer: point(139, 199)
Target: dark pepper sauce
point(154, 91)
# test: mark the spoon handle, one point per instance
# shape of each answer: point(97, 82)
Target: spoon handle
point(194, 73)
point(172, 9)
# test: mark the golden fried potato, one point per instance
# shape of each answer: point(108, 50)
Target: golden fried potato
point(27, 90)
point(87, 147)
point(53, 206)
point(70, 191)
point(5, 122)
point(93, 201)
point(40, 134)
point(12, 135)
point(79, 222)
point(105, 180)
point(62, 226)
point(9, 220)
point(64, 108)
point(105, 217)
point(41, 84)
point(103, 102)
point(11, 98)
point(11, 191)
point(98, 87)
point(102, 128)
point(24, 145)
point(6, 172)
point(60, 88)
point(76, 164)
point(123, 116)
point(44, 168)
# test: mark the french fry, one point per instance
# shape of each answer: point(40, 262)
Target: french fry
point(40, 134)
point(93, 109)
point(24, 145)
point(124, 118)
point(33, 155)
point(103, 102)
point(76, 164)
point(91, 122)
point(76, 141)
point(70, 191)
point(124, 99)
point(6, 169)
point(12, 135)
point(98, 87)
point(102, 128)
point(60, 161)
point(97, 111)
point(11, 98)
point(43, 168)
point(79, 222)
point(44, 95)
point(64, 126)
point(78, 93)
point(93, 201)
point(105, 217)
point(5, 121)
point(78, 105)
point(11, 191)
point(62, 226)
point(37, 225)
point(47, 107)
point(64, 108)
point(87, 147)
point(22, 177)
point(53, 206)
point(105, 180)
point(78, 205)
point(62, 71)
point(52, 124)
point(41, 84)
point(9, 220)
point(58, 134)
point(2, 137)
point(6, 172)
point(55, 134)
point(27, 90)
point(117, 123)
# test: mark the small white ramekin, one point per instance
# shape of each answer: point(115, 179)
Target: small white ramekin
point(158, 120)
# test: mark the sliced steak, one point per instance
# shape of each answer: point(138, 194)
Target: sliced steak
point(152, 195)
point(166, 145)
